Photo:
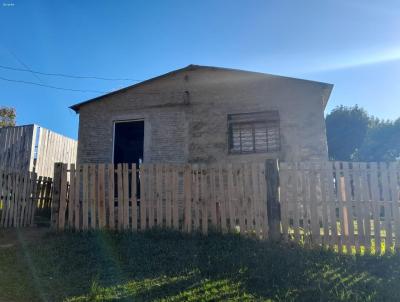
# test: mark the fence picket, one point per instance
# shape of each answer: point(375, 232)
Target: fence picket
point(296, 200)
point(3, 203)
point(387, 209)
point(77, 208)
point(247, 200)
point(7, 222)
point(367, 208)
point(284, 180)
point(168, 195)
point(314, 205)
point(158, 214)
point(242, 202)
point(175, 188)
point(120, 198)
point(342, 208)
point(151, 191)
point(22, 219)
point(394, 189)
point(196, 198)
point(85, 202)
point(222, 200)
point(93, 179)
point(14, 212)
point(204, 201)
point(143, 197)
point(358, 207)
point(71, 203)
point(349, 202)
point(213, 199)
point(324, 201)
point(187, 188)
point(376, 206)
point(231, 208)
point(101, 196)
point(28, 206)
point(134, 208)
point(63, 197)
point(111, 196)
point(125, 197)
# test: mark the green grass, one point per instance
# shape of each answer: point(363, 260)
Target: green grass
point(169, 266)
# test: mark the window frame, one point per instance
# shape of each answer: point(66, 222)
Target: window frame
point(270, 117)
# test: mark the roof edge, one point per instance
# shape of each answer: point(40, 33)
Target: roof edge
point(327, 87)
point(327, 91)
point(76, 106)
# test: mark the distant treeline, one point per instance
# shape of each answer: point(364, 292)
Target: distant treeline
point(355, 135)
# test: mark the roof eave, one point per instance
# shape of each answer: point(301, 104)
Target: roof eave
point(327, 90)
point(77, 106)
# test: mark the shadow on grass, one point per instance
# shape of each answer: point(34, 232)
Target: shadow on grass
point(168, 289)
point(170, 266)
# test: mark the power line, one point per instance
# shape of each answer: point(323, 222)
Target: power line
point(23, 64)
point(53, 87)
point(171, 93)
point(68, 75)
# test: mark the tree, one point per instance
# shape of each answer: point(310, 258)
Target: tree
point(353, 135)
point(346, 129)
point(7, 116)
point(382, 142)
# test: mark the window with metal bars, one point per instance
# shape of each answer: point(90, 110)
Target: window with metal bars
point(254, 132)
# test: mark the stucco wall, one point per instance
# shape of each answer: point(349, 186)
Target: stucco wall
point(185, 116)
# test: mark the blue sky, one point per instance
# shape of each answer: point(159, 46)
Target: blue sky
point(354, 45)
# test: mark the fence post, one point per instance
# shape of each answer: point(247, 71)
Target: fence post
point(273, 206)
point(55, 201)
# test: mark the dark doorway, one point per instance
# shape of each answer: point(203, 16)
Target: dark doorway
point(128, 142)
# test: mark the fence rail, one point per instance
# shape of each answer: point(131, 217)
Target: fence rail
point(351, 207)
point(186, 198)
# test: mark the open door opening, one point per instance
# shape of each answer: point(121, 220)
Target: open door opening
point(128, 142)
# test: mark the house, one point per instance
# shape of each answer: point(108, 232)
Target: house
point(201, 114)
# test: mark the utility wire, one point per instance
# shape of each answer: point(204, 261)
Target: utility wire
point(171, 93)
point(67, 75)
point(53, 87)
point(23, 64)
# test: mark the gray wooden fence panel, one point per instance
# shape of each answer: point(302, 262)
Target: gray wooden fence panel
point(53, 148)
point(17, 149)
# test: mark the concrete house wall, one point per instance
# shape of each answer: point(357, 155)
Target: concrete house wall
point(185, 115)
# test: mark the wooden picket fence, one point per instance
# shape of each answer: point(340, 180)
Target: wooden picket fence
point(229, 198)
point(42, 199)
point(350, 207)
point(21, 194)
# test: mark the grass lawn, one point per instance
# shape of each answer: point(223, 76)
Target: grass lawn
point(37, 265)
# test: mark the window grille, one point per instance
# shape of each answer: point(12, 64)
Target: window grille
point(254, 132)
